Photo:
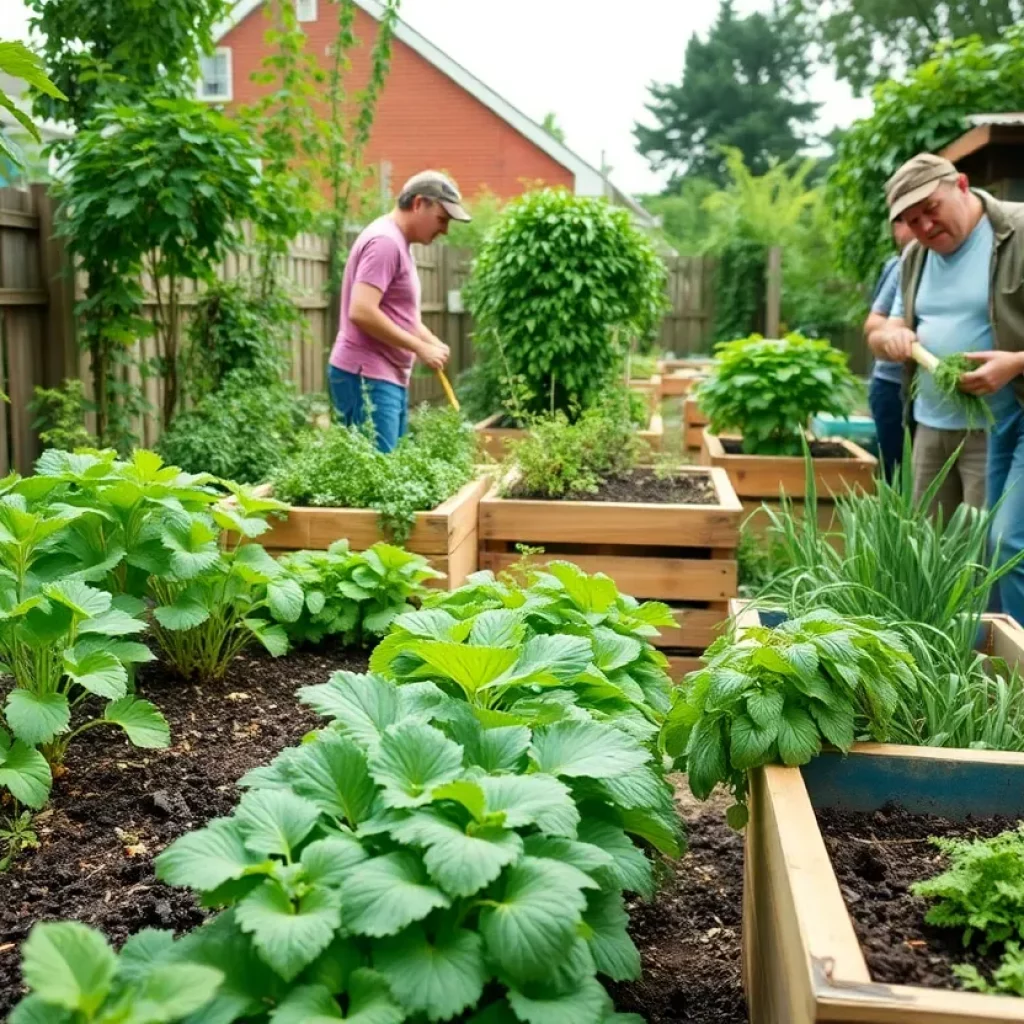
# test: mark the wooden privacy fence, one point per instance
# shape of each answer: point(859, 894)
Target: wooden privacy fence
point(38, 341)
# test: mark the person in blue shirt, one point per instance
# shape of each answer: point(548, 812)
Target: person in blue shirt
point(885, 391)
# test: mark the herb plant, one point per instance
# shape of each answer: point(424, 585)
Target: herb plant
point(558, 289)
point(354, 595)
point(947, 376)
point(776, 695)
point(76, 978)
point(768, 389)
point(342, 468)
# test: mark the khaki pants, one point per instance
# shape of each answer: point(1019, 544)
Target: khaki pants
point(965, 483)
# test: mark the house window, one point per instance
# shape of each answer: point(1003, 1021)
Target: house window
point(305, 10)
point(215, 83)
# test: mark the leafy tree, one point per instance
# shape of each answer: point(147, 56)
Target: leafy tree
point(741, 87)
point(925, 112)
point(550, 125)
point(866, 41)
point(158, 187)
point(684, 219)
point(20, 62)
point(100, 51)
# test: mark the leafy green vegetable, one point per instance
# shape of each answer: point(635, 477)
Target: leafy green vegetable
point(342, 468)
point(768, 389)
point(776, 695)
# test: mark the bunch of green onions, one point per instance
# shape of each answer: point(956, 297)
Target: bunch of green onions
point(947, 381)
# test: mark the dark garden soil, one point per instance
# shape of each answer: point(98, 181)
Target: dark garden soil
point(689, 935)
point(877, 856)
point(644, 486)
point(819, 449)
point(118, 806)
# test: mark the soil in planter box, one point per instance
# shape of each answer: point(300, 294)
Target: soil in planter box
point(819, 449)
point(645, 487)
point(877, 856)
point(118, 807)
point(689, 934)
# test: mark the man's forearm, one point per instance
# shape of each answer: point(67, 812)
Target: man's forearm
point(381, 327)
point(425, 334)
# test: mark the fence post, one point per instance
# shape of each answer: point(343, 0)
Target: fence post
point(773, 299)
point(60, 352)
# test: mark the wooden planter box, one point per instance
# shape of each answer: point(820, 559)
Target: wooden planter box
point(758, 479)
point(694, 422)
point(679, 383)
point(685, 554)
point(447, 535)
point(494, 439)
point(700, 363)
point(802, 961)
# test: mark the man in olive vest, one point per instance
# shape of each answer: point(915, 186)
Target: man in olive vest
point(962, 290)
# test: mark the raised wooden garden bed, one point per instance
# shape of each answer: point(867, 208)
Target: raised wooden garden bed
point(684, 554)
point(494, 439)
point(679, 383)
point(803, 962)
point(447, 535)
point(701, 363)
point(758, 479)
point(694, 422)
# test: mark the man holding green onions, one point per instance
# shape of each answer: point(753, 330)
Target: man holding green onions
point(962, 290)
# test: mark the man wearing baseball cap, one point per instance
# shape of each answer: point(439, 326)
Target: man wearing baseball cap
point(381, 333)
point(962, 290)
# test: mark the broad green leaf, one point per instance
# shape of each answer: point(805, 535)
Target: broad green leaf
point(552, 659)
point(113, 622)
point(141, 721)
point(170, 992)
point(632, 870)
point(770, 659)
point(639, 788)
point(411, 759)
point(613, 651)
point(335, 965)
point(470, 667)
point(208, 858)
point(531, 923)
point(584, 1005)
point(433, 624)
point(462, 864)
point(37, 717)
point(498, 750)
point(328, 860)
point(363, 706)
point(585, 748)
point(498, 627)
point(798, 736)
point(765, 708)
point(308, 1004)
point(540, 800)
point(72, 964)
point(658, 826)
point(33, 1010)
point(289, 936)
point(83, 600)
point(24, 771)
point(438, 978)
point(274, 821)
point(369, 1002)
point(99, 672)
point(386, 894)
point(285, 598)
point(705, 757)
point(143, 951)
point(836, 722)
point(749, 743)
point(273, 637)
point(193, 547)
point(612, 948)
point(468, 794)
point(595, 593)
point(737, 816)
point(185, 612)
point(585, 856)
point(727, 685)
point(333, 774)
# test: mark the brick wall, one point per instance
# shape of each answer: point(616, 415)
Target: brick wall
point(424, 119)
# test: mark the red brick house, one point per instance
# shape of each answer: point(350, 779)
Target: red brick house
point(432, 111)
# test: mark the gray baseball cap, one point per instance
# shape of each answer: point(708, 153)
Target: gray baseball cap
point(435, 185)
point(916, 180)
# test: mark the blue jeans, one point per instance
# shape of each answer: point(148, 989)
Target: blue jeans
point(1006, 481)
point(885, 399)
point(389, 405)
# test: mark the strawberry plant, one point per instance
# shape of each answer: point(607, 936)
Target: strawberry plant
point(354, 595)
point(768, 390)
point(76, 978)
point(776, 695)
point(417, 860)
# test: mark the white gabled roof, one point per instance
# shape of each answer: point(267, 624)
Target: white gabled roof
point(589, 181)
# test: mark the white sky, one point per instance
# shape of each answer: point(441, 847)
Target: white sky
point(589, 63)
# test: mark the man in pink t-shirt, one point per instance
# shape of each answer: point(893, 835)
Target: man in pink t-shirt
point(381, 333)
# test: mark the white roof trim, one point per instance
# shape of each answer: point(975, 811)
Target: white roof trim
point(589, 181)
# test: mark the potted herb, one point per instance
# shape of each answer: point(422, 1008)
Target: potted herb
point(559, 287)
point(759, 401)
point(579, 491)
point(423, 495)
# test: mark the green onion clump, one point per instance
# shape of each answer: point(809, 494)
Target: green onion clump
point(947, 380)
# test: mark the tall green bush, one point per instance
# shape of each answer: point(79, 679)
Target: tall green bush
point(559, 288)
point(926, 111)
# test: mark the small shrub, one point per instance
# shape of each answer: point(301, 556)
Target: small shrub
point(768, 389)
point(60, 416)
